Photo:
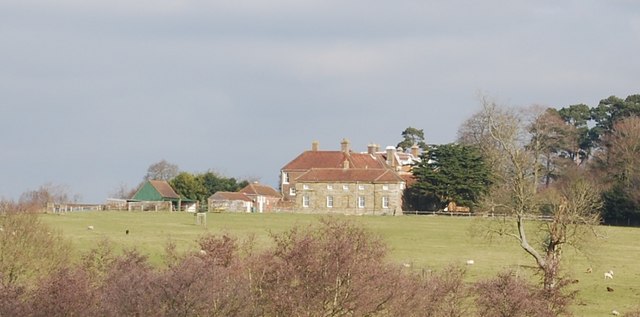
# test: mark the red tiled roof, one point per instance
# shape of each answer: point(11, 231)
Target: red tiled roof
point(229, 196)
point(332, 159)
point(259, 189)
point(409, 179)
point(350, 175)
point(164, 189)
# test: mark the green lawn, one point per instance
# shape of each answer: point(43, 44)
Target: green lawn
point(425, 242)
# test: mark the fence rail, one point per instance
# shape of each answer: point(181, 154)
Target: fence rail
point(475, 214)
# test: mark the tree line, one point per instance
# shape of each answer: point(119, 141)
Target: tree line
point(600, 142)
point(193, 186)
point(577, 165)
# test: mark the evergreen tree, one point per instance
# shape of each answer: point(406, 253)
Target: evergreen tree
point(452, 173)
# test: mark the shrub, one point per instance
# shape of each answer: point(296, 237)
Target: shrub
point(66, 292)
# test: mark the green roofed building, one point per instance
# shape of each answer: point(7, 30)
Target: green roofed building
point(159, 190)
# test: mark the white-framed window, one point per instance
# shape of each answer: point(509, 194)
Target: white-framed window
point(345, 188)
point(361, 201)
point(305, 186)
point(330, 187)
point(385, 187)
point(360, 187)
point(285, 178)
point(305, 201)
point(292, 191)
point(385, 202)
point(329, 201)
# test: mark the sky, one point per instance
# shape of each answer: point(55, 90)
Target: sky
point(94, 92)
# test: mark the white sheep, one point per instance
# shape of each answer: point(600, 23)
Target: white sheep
point(203, 252)
point(470, 262)
point(608, 275)
point(615, 312)
point(90, 228)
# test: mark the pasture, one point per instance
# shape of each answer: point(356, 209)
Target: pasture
point(424, 242)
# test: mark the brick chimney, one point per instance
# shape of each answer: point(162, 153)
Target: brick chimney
point(344, 146)
point(315, 145)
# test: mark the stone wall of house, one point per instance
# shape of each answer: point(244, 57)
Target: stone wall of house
point(285, 187)
point(345, 197)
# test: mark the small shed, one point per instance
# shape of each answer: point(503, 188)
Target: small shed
point(229, 201)
point(161, 191)
point(264, 197)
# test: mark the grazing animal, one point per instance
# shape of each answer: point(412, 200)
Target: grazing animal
point(470, 262)
point(608, 275)
point(90, 228)
point(406, 265)
point(609, 289)
point(615, 313)
point(589, 270)
point(203, 252)
point(126, 231)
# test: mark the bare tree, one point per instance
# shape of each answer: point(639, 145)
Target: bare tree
point(622, 157)
point(37, 200)
point(162, 170)
point(123, 191)
point(572, 206)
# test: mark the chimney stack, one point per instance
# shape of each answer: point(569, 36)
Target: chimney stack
point(371, 148)
point(391, 153)
point(345, 164)
point(315, 145)
point(345, 146)
point(415, 150)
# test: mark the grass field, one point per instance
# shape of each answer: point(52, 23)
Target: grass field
point(425, 242)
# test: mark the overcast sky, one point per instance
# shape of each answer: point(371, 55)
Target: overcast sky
point(93, 92)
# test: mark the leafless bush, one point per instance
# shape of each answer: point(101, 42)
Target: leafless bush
point(195, 287)
point(129, 287)
point(433, 294)
point(12, 300)
point(336, 269)
point(510, 296)
point(66, 292)
point(219, 251)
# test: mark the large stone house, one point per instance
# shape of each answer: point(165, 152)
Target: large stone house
point(345, 181)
